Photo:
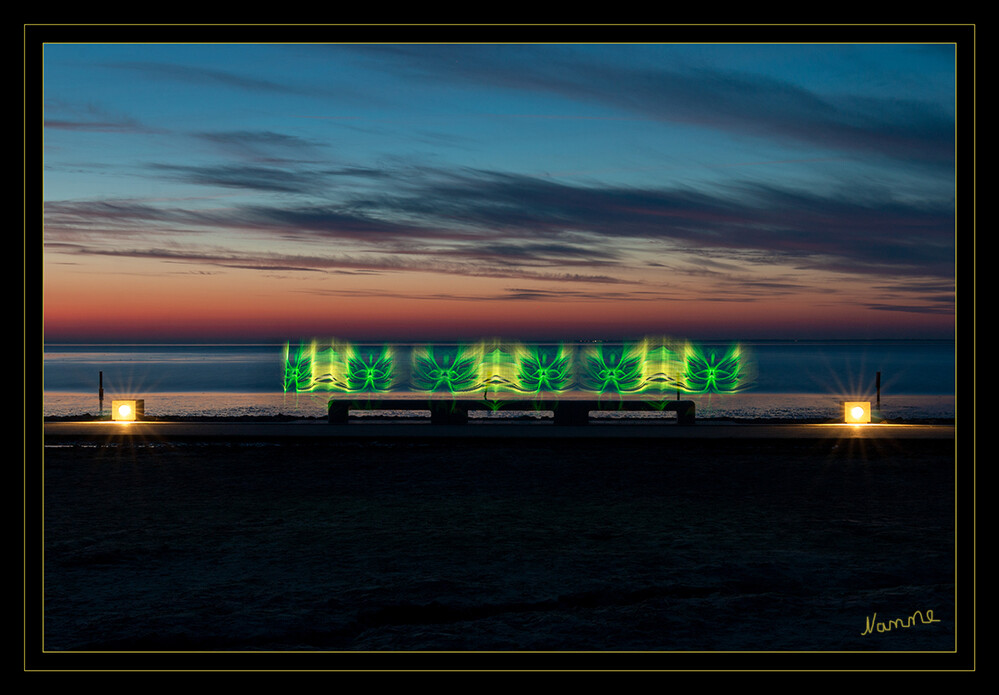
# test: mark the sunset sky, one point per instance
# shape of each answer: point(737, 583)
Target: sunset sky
point(264, 192)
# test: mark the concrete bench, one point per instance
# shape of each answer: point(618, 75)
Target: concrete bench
point(455, 412)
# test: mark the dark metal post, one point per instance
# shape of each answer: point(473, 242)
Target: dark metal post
point(877, 382)
point(100, 393)
point(337, 412)
point(572, 413)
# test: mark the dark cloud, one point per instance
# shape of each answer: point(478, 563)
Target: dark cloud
point(332, 221)
point(91, 118)
point(333, 263)
point(844, 230)
point(499, 221)
point(782, 112)
point(515, 294)
point(72, 220)
point(735, 102)
point(265, 146)
point(930, 285)
point(523, 253)
point(943, 309)
point(361, 172)
point(762, 288)
point(559, 295)
point(207, 77)
point(245, 177)
point(120, 126)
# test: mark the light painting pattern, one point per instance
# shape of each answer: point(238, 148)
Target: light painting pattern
point(654, 367)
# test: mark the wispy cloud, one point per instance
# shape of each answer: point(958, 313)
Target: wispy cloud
point(265, 146)
point(93, 119)
point(333, 263)
point(242, 177)
point(541, 173)
point(500, 219)
point(201, 75)
point(942, 308)
point(725, 100)
point(545, 294)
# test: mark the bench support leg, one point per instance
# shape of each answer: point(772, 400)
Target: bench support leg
point(569, 413)
point(447, 413)
point(337, 413)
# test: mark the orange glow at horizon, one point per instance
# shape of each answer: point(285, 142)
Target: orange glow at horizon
point(150, 304)
point(372, 317)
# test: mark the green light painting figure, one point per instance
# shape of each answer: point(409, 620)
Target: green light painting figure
point(496, 368)
point(607, 369)
point(539, 372)
point(706, 373)
point(649, 367)
point(339, 367)
point(298, 367)
point(661, 364)
point(437, 369)
point(330, 368)
point(370, 370)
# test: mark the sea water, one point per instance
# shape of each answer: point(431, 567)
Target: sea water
point(791, 380)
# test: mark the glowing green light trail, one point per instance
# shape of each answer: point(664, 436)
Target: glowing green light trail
point(704, 372)
point(540, 371)
point(298, 367)
point(648, 368)
point(371, 370)
point(612, 369)
point(437, 369)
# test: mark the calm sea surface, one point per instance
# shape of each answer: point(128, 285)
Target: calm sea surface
point(791, 379)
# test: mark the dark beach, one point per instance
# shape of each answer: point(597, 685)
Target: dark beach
point(374, 543)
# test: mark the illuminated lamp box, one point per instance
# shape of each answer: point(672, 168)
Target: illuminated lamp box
point(127, 410)
point(856, 412)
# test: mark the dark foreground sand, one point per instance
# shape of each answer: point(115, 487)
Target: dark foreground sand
point(410, 545)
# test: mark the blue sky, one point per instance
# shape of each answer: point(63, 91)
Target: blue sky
point(254, 191)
